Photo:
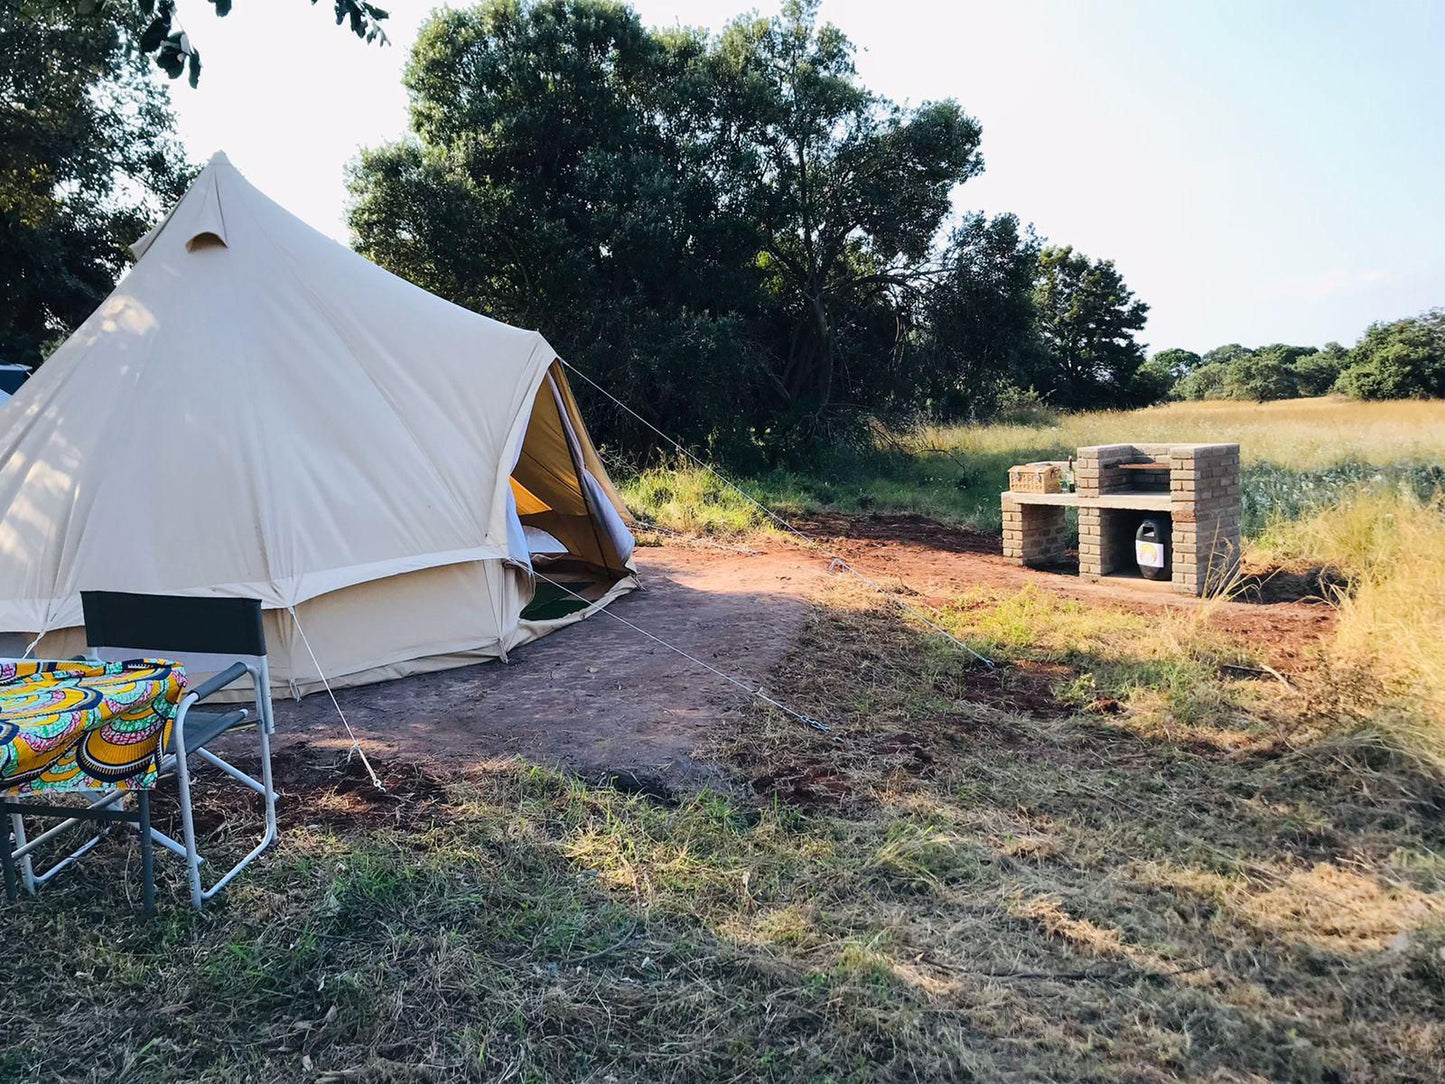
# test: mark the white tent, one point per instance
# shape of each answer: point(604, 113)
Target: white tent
point(258, 411)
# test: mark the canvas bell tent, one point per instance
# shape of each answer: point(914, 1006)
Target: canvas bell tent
point(258, 411)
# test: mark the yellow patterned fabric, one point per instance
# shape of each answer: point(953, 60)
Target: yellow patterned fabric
point(74, 726)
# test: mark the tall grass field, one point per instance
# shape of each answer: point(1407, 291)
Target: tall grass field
point(1390, 634)
point(1298, 455)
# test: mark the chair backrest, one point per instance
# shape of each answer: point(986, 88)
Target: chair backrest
point(119, 624)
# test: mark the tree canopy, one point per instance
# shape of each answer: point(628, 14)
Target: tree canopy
point(558, 178)
point(1399, 359)
point(845, 190)
point(157, 29)
point(1088, 318)
point(732, 232)
point(88, 159)
point(979, 322)
point(1403, 359)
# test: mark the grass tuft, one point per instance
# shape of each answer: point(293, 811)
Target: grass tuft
point(1389, 546)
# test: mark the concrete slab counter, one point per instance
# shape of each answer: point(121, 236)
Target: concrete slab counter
point(1196, 486)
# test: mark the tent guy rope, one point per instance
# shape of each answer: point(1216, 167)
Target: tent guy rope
point(355, 744)
point(802, 717)
point(835, 560)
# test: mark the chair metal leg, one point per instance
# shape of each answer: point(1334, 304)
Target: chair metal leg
point(7, 862)
point(147, 854)
point(27, 867)
point(269, 791)
point(188, 828)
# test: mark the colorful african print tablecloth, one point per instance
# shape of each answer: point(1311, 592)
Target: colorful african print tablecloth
point(68, 726)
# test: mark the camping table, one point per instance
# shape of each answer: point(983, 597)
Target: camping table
point(84, 727)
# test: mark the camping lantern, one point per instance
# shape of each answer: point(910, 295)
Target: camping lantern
point(1151, 549)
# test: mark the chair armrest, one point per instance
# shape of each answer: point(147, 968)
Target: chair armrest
point(231, 673)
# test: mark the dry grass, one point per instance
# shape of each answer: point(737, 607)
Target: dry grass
point(1390, 549)
point(1105, 860)
point(1302, 434)
point(1299, 455)
point(1182, 830)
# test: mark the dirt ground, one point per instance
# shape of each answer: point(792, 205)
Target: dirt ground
point(600, 699)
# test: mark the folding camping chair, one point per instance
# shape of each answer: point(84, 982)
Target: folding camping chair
point(224, 635)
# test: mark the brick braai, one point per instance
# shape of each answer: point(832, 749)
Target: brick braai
point(1194, 486)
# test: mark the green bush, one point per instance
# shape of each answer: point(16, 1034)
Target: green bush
point(1261, 375)
point(1022, 406)
point(1404, 359)
point(1316, 373)
point(1272, 494)
point(1400, 360)
point(1205, 382)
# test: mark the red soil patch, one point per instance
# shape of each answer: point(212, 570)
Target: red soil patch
point(599, 699)
point(939, 562)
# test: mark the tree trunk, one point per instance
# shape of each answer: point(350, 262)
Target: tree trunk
point(807, 376)
point(824, 383)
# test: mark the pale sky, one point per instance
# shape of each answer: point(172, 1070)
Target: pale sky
point(1260, 171)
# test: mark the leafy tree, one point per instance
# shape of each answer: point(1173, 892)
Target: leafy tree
point(87, 160)
point(1225, 354)
point(1278, 371)
point(1401, 359)
point(559, 177)
point(1153, 383)
point(1316, 373)
point(846, 189)
point(1088, 317)
point(1176, 362)
point(161, 37)
point(980, 330)
point(1404, 359)
point(1205, 382)
point(1262, 375)
point(731, 232)
point(1159, 377)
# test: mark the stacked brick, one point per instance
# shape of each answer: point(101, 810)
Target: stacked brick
point(1100, 469)
point(1106, 538)
point(1205, 506)
point(1106, 541)
point(1034, 534)
point(1096, 471)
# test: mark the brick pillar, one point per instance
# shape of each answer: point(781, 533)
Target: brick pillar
point(1033, 534)
point(1091, 541)
point(1204, 487)
point(1013, 530)
point(1106, 540)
